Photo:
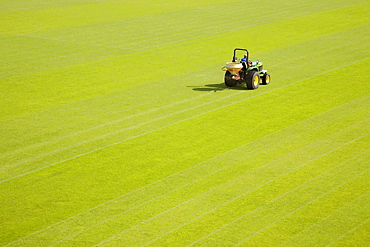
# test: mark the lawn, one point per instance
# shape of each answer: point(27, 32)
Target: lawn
point(117, 129)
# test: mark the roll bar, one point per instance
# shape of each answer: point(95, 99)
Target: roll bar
point(240, 49)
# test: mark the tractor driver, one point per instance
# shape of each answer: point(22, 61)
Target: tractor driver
point(245, 60)
point(246, 64)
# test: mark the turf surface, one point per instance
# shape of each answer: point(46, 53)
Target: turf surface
point(117, 129)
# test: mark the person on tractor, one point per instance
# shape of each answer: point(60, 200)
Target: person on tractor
point(245, 60)
point(246, 64)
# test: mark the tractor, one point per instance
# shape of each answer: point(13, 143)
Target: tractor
point(245, 72)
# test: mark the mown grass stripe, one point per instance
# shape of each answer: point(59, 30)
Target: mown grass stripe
point(299, 208)
point(61, 138)
point(226, 167)
point(283, 133)
point(281, 196)
point(352, 211)
point(360, 224)
point(292, 190)
point(229, 182)
point(114, 216)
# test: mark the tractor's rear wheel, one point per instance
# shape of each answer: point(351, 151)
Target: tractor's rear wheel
point(229, 81)
point(266, 79)
point(253, 79)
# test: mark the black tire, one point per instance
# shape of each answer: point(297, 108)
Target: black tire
point(266, 79)
point(253, 80)
point(229, 81)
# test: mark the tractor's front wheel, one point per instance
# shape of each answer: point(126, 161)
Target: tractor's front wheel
point(266, 79)
point(253, 79)
point(229, 81)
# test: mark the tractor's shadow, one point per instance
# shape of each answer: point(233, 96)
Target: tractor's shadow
point(215, 87)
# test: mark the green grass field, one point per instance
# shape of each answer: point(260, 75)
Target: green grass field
point(117, 130)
